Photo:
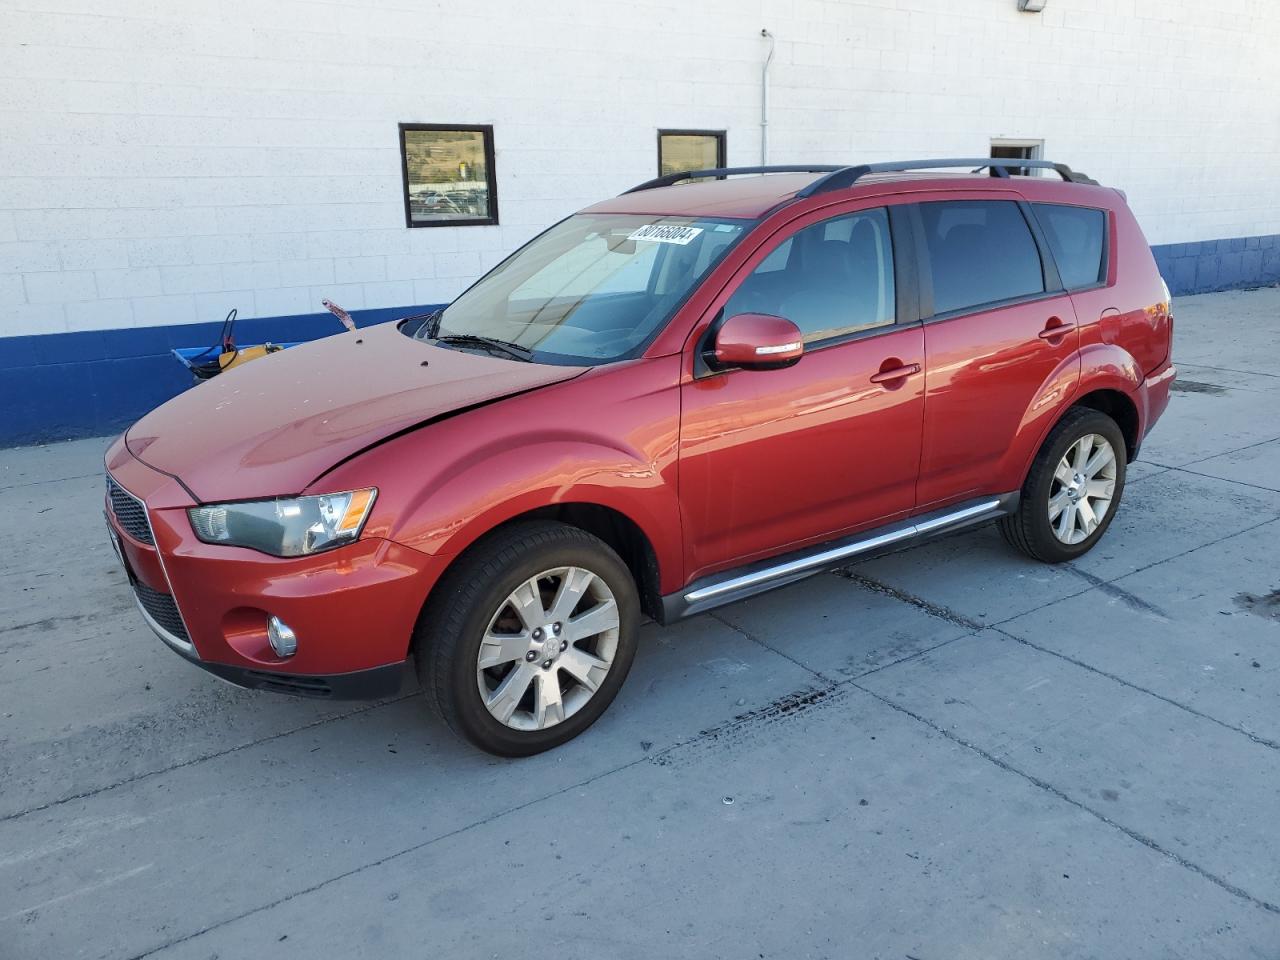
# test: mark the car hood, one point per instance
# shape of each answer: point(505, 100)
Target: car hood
point(272, 426)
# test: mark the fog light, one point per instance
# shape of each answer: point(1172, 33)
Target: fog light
point(283, 640)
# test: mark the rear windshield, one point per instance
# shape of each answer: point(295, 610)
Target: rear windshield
point(592, 289)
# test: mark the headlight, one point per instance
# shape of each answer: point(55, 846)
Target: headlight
point(290, 527)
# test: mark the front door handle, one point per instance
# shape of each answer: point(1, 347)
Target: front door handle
point(895, 373)
point(1055, 329)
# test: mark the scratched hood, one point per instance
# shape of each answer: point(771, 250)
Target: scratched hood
point(272, 426)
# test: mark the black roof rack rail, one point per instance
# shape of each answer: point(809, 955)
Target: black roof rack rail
point(670, 178)
point(847, 176)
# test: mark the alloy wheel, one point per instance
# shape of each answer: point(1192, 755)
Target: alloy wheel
point(547, 649)
point(1084, 484)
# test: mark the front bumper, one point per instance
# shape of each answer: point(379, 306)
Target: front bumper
point(353, 609)
point(371, 684)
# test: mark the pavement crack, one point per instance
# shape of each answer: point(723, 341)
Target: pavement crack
point(1262, 741)
point(1214, 456)
point(1065, 797)
point(38, 483)
point(772, 649)
point(1130, 600)
point(201, 759)
point(1247, 373)
point(933, 609)
point(354, 871)
point(1210, 476)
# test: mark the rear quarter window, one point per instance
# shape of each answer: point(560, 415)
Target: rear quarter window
point(1077, 239)
point(980, 251)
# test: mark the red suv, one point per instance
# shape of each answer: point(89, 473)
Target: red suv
point(672, 400)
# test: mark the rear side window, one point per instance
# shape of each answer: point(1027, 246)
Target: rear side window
point(980, 251)
point(1076, 238)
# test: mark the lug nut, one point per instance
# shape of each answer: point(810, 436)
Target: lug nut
point(537, 633)
point(546, 664)
point(556, 628)
point(531, 656)
point(564, 645)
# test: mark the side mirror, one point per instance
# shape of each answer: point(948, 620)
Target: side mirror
point(758, 341)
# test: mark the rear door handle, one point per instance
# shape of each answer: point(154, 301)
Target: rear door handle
point(895, 373)
point(1055, 328)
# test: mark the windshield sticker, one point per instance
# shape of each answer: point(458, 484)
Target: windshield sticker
point(665, 233)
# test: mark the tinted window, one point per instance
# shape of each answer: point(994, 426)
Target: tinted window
point(980, 251)
point(829, 279)
point(1075, 236)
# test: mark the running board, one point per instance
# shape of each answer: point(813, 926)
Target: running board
point(746, 581)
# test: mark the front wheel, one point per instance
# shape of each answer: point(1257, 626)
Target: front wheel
point(1072, 490)
point(528, 639)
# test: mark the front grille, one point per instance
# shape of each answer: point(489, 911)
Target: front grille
point(129, 512)
point(162, 608)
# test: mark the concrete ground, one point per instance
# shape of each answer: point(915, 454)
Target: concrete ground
point(949, 752)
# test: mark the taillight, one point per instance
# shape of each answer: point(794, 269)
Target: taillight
point(1167, 306)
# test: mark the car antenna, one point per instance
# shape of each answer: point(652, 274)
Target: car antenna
point(343, 317)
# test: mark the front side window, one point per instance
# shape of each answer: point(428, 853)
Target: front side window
point(448, 175)
point(830, 279)
point(592, 289)
point(1076, 238)
point(980, 251)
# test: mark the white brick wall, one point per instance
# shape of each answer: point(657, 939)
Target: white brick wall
point(164, 160)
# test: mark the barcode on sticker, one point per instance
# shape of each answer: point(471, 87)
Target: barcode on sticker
point(665, 233)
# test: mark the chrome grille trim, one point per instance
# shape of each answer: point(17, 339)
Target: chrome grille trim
point(130, 513)
point(183, 644)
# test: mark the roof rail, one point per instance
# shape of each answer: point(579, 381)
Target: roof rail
point(670, 178)
point(847, 176)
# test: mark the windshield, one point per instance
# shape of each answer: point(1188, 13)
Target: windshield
point(591, 289)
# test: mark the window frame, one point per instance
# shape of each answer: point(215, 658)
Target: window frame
point(1104, 271)
point(491, 173)
point(906, 268)
point(721, 136)
point(1048, 266)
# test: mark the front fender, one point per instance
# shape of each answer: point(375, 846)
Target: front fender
point(608, 438)
point(496, 486)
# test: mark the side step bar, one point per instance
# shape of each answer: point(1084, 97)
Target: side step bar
point(746, 581)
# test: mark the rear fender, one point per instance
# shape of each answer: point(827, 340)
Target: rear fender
point(1053, 397)
point(1103, 366)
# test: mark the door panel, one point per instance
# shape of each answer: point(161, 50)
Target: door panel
point(988, 376)
point(773, 459)
point(1004, 355)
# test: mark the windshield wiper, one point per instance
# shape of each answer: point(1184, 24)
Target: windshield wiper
point(513, 350)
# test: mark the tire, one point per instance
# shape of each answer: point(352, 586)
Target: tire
point(512, 597)
point(1054, 482)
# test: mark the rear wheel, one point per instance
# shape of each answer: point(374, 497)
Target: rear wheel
point(1072, 490)
point(529, 638)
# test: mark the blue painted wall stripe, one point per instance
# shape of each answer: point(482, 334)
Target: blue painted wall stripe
point(1205, 266)
point(63, 385)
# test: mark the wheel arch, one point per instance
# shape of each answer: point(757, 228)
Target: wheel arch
point(623, 535)
point(1119, 406)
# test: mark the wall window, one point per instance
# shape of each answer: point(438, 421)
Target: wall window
point(448, 175)
point(1018, 150)
point(1077, 239)
point(980, 251)
point(829, 279)
point(680, 150)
